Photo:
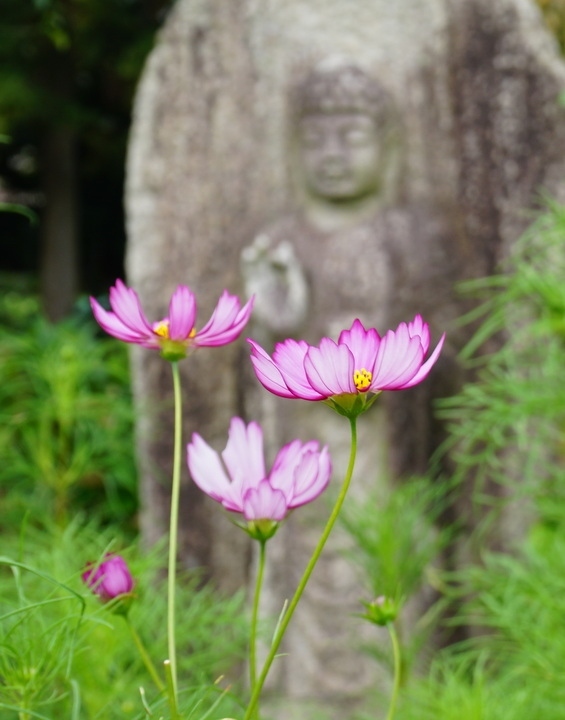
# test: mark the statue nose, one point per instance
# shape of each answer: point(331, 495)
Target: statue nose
point(333, 156)
point(333, 149)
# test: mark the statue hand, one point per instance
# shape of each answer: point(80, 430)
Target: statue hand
point(274, 275)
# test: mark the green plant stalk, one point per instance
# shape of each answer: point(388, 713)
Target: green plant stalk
point(255, 617)
point(144, 655)
point(256, 691)
point(173, 533)
point(397, 655)
point(171, 691)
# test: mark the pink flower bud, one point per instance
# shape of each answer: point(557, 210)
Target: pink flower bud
point(109, 579)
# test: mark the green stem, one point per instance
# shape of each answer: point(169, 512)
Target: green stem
point(144, 655)
point(173, 532)
point(171, 691)
point(255, 615)
point(256, 691)
point(397, 669)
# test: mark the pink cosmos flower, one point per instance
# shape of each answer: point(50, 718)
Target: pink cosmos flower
point(348, 374)
point(110, 578)
point(238, 479)
point(175, 334)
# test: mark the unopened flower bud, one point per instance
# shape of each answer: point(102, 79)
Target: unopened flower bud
point(110, 580)
point(381, 611)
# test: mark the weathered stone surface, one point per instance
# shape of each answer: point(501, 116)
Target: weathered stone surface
point(212, 164)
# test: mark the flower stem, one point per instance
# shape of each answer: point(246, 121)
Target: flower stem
point(144, 655)
point(173, 531)
point(256, 690)
point(171, 691)
point(255, 616)
point(397, 669)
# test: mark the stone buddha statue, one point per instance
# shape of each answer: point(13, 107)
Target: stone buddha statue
point(352, 246)
point(313, 272)
point(323, 262)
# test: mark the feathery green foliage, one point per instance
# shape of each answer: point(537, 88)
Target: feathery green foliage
point(508, 428)
point(66, 420)
point(65, 654)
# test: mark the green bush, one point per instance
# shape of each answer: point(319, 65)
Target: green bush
point(66, 419)
point(507, 429)
point(65, 654)
point(506, 434)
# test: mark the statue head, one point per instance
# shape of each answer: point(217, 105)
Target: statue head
point(341, 116)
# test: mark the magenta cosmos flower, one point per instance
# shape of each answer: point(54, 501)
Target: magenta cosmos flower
point(349, 374)
point(109, 579)
point(239, 482)
point(175, 334)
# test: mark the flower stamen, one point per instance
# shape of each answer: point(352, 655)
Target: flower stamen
point(162, 329)
point(362, 379)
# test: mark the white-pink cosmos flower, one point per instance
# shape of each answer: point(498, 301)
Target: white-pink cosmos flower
point(176, 333)
point(348, 374)
point(238, 480)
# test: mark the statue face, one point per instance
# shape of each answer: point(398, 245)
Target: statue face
point(340, 154)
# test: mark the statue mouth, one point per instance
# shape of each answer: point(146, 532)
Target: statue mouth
point(334, 182)
point(334, 176)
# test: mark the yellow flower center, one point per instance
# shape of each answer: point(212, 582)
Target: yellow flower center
point(162, 329)
point(362, 379)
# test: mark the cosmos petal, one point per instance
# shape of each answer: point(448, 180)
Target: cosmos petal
point(267, 372)
point(182, 313)
point(311, 477)
point(226, 323)
point(424, 371)
point(112, 324)
point(364, 345)
point(207, 471)
point(126, 306)
point(289, 357)
point(243, 456)
point(398, 359)
point(264, 503)
point(286, 460)
point(422, 329)
point(330, 368)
